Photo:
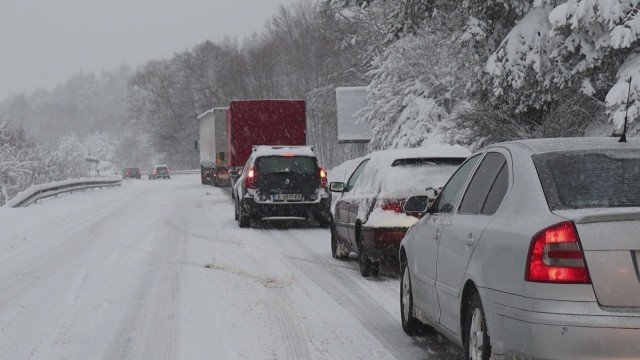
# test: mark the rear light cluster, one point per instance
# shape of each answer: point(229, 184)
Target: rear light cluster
point(323, 178)
point(392, 205)
point(556, 256)
point(251, 178)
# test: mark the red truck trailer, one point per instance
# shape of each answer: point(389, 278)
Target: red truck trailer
point(263, 122)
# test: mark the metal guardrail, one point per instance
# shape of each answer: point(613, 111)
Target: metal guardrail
point(185, 172)
point(38, 192)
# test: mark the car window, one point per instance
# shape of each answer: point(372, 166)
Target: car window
point(407, 178)
point(356, 174)
point(287, 164)
point(449, 195)
point(481, 183)
point(590, 178)
point(497, 192)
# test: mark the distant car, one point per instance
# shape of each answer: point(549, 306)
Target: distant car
point(220, 177)
point(159, 172)
point(282, 181)
point(131, 173)
point(531, 251)
point(368, 216)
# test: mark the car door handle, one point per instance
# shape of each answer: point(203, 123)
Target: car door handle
point(436, 236)
point(469, 240)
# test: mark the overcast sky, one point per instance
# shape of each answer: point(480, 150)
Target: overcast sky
point(44, 42)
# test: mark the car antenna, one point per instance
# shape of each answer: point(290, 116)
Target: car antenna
point(623, 138)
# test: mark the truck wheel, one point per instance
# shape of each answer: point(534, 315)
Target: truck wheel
point(243, 220)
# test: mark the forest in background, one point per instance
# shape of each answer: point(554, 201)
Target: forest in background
point(471, 72)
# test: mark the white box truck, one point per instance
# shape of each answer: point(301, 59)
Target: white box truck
point(212, 142)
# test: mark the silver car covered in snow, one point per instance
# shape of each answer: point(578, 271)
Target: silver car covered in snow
point(532, 250)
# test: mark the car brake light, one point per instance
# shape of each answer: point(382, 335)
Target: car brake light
point(556, 256)
point(250, 180)
point(323, 178)
point(392, 205)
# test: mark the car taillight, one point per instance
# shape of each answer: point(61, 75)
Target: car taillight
point(154, 171)
point(323, 178)
point(392, 205)
point(556, 256)
point(251, 178)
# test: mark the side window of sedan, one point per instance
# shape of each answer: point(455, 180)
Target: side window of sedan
point(451, 191)
point(356, 174)
point(487, 187)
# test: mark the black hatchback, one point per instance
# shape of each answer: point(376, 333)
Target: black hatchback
point(282, 181)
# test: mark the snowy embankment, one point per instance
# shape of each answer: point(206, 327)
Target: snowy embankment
point(159, 269)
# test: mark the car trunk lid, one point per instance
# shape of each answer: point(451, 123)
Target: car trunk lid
point(283, 178)
point(611, 243)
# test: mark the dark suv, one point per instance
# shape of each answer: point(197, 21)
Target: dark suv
point(282, 181)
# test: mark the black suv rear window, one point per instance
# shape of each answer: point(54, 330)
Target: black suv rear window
point(590, 178)
point(286, 164)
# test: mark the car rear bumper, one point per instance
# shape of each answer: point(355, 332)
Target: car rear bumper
point(552, 329)
point(383, 243)
point(261, 210)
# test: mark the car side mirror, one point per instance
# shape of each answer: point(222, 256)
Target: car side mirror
point(337, 187)
point(416, 204)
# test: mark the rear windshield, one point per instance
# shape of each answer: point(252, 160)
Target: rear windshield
point(408, 176)
point(287, 164)
point(162, 168)
point(131, 169)
point(590, 178)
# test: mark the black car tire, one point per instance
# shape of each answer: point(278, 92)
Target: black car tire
point(335, 241)
point(375, 269)
point(410, 324)
point(481, 337)
point(363, 260)
point(323, 221)
point(243, 220)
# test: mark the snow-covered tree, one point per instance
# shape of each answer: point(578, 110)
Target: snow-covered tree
point(416, 82)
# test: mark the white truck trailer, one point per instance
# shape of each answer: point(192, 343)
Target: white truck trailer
point(212, 142)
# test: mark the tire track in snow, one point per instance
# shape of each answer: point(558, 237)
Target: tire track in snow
point(371, 315)
point(150, 328)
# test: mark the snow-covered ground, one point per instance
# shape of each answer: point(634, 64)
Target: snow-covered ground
point(160, 270)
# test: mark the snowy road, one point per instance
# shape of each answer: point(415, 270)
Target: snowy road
point(160, 270)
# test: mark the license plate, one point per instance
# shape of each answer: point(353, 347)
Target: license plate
point(286, 197)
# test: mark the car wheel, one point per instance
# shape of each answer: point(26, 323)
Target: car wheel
point(410, 324)
point(363, 260)
point(375, 269)
point(476, 340)
point(335, 241)
point(323, 221)
point(243, 220)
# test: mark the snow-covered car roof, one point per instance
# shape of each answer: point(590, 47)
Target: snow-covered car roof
point(267, 150)
point(538, 146)
point(381, 177)
point(387, 157)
